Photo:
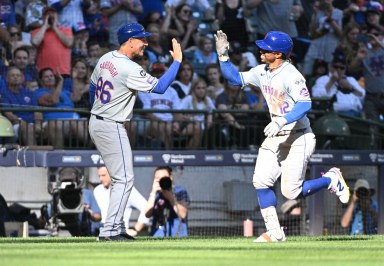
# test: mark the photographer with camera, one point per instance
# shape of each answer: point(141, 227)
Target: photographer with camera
point(325, 31)
point(362, 211)
point(168, 205)
point(53, 43)
point(349, 94)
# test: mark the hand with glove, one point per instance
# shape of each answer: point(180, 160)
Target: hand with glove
point(222, 46)
point(275, 126)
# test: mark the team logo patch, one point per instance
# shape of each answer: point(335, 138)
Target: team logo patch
point(143, 73)
point(304, 92)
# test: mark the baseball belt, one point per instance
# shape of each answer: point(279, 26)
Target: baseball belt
point(288, 132)
point(102, 118)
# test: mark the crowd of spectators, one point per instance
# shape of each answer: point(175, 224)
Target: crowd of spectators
point(50, 47)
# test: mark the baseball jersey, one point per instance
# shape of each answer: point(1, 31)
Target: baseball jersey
point(117, 80)
point(281, 89)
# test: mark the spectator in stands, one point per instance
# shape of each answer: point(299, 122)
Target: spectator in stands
point(203, 55)
point(349, 44)
point(70, 13)
point(349, 95)
point(14, 94)
point(370, 58)
point(7, 13)
point(178, 23)
point(215, 81)
point(373, 16)
point(79, 84)
point(15, 40)
point(98, 31)
point(325, 31)
point(34, 14)
point(320, 68)
point(276, 15)
point(231, 15)
point(183, 81)
point(193, 126)
point(94, 53)
point(168, 205)
point(32, 85)
point(136, 201)
point(362, 211)
point(59, 125)
point(161, 127)
point(157, 45)
point(21, 59)
point(153, 12)
point(53, 43)
point(79, 47)
point(119, 12)
point(233, 98)
point(238, 59)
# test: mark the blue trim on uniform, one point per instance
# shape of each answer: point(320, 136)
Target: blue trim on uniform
point(125, 175)
point(267, 197)
point(92, 90)
point(168, 77)
point(312, 186)
point(231, 73)
point(298, 111)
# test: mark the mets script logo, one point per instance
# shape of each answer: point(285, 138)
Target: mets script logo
point(166, 157)
point(373, 157)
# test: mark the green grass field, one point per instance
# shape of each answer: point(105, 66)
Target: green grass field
point(330, 250)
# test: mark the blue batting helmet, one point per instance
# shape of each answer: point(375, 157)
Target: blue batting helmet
point(132, 30)
point(276, 41)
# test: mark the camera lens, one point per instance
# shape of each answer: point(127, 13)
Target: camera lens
point(362, 193)
point(165, 183)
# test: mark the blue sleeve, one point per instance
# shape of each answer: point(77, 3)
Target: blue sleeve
point(92, 90)
point(230, 73)
point(167, 78)
point(298, 111)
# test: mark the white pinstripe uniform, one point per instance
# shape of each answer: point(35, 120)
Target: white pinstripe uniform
point(288, 153)
point(117, 79)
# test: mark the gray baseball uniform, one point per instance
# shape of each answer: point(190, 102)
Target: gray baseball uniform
point(117, 80)
point(288, 153)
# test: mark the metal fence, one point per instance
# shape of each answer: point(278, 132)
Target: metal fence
point(332, 131)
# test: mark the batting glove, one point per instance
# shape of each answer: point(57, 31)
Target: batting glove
point(222, 45)
point(275, 126)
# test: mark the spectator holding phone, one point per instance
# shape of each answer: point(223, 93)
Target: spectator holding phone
point(349, 95)
point(168, 205)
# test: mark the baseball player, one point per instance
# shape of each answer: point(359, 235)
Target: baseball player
point(115, 82)
point(289, 139)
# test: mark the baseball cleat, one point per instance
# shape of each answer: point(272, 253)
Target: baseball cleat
point(121, 237)
point(269, 236)
point(338, 185)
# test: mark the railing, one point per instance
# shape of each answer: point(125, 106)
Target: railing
point(147, 134)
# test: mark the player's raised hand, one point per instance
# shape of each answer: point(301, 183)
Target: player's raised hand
point(177, 54)
point(222, 44)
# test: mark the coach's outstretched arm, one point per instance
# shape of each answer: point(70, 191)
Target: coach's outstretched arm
point(228, 70)
point(170, 75)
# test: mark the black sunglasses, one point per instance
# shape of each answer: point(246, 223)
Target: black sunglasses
point(339, 67)
point(14, 34)
point(265, 51)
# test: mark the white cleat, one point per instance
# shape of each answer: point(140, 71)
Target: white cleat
point(270, 236)
point(338, 184)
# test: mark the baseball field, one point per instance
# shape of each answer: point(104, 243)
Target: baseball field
point(327, 250)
